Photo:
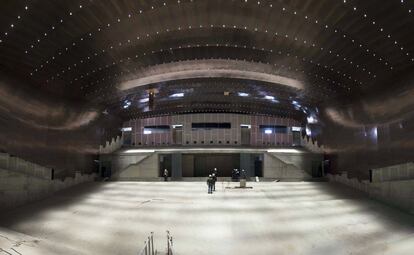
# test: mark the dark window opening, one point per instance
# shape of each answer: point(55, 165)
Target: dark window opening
point(273, 129)
point(222, 125)
point(156, 129)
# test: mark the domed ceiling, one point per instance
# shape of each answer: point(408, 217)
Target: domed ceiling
point(144, 58)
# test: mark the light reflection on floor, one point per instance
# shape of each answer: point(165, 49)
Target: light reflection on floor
point(272, 218)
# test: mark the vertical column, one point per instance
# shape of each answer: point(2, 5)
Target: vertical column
point(246, 164)
point(176, 166)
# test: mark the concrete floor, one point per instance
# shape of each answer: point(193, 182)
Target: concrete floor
point(272, 218)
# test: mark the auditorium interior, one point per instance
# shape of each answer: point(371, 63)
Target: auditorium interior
point(206, 127)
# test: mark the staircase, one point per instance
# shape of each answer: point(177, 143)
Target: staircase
point(143, 167)
point(275, 167)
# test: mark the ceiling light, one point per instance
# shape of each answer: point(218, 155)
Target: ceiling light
point(144, 100)
point(147, 132)
point(243, 94)
point(177, 95)
point(270, 97)
point(312, 120)
point(268, 131)
point(127, 104)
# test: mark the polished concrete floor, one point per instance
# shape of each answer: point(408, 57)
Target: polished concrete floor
point(272, 218)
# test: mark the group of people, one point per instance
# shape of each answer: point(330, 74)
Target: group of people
point(211, 181)
point(236, 175)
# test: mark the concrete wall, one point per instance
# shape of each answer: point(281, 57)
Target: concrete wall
point(281, 165)
point(25, 167)
point(392, 173)
point(302, 161)
point(398, 193)
point(142, 166)
point(111, 146)
point(18, 188)
point(199, 137)
point(122, 161)
point(274, 167)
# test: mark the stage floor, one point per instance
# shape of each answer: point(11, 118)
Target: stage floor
point(272, 218)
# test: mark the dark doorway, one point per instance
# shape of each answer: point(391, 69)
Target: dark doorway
point(296, 137)
point(225, 163)
point(178, 135)
point(316, 168)
point(165, 163)
point(258, 165)
point(127, 137)
point(245, 135)
point(106, 170)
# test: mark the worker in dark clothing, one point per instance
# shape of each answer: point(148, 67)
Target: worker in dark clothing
point(243, 174)
point(165, 175)
point(215, 171)
point(210, 184)
point(214, 177)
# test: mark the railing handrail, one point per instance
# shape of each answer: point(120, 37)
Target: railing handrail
point(170, 250)
point(148, 248)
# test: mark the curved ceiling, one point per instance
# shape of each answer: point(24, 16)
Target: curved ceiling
point(118, 51)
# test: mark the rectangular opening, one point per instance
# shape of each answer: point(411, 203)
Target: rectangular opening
point(156, 129)
point(211, 125)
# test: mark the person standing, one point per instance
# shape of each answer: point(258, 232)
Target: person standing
point(210, 184)
point(243, 174)
point(214, 177)
point(165, 175)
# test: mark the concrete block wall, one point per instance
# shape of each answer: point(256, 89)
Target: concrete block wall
point(145, 167)
point(302, 161)
point(120, 162)
point(25, 167)
point(311, 146)
point(18, 188)
point(111, 146)
point(274, 167)
point(392, 173)
point(399, 193)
